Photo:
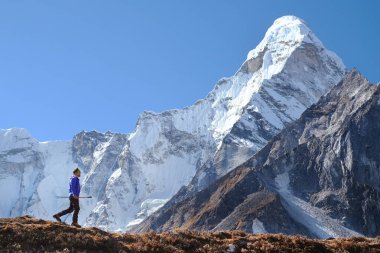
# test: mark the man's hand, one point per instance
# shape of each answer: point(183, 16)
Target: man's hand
point(76, 197)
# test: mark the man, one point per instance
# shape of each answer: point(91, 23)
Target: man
point(74, 191)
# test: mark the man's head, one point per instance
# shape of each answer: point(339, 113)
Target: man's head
point(76, 172)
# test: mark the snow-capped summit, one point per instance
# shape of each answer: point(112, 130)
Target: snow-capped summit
point(284, 31)
point(286, 73)
point(282, 38)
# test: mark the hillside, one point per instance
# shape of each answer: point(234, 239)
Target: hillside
point(27, 234)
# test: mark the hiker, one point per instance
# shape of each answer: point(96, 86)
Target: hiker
point(74, 191)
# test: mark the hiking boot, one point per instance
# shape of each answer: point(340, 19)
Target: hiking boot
point(55, 216)
point(76, 225)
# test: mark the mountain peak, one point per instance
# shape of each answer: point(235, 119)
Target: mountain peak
point(289, 20)
point(286, 32)
point(282, 39)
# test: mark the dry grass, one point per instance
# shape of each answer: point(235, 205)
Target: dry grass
point(26, 234)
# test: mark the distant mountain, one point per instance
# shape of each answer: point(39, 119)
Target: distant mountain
point(318, 177)
point(178, 151)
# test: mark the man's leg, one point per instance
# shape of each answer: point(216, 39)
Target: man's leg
point(68, 210)
point(76, 211)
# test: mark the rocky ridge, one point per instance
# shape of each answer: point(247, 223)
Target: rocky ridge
point(26, 234)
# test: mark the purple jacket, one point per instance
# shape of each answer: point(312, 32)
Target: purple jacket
point(74, 188)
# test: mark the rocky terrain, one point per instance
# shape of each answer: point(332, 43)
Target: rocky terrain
point(318, 177)
point(26, 234)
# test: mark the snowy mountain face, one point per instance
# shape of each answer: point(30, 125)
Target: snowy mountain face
point(32, 174)
point(131, 175)
point(287, 72)
point(318, 177)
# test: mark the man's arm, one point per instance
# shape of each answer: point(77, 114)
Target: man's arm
point(76, 187)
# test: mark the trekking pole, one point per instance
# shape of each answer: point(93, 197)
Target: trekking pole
point(64, 221)
point(87, 197)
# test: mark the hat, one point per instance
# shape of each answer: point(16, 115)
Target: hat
point(76, 170)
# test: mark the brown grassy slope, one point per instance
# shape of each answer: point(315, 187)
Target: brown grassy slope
point(26, 234)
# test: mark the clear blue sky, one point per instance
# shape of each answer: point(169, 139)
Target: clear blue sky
point(67, 66)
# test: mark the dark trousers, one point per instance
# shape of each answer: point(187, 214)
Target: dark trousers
point(74, 206)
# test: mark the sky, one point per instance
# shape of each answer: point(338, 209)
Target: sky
point(68, 66)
